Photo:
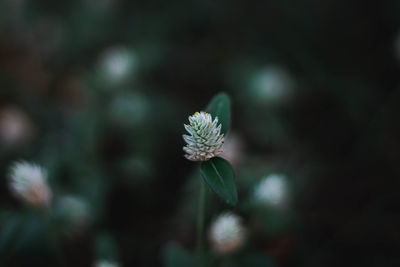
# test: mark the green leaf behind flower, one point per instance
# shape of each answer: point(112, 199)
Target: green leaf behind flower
point(220, 106)
point(219, 175)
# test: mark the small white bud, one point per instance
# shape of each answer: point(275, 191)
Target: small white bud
point(205, 140)
point(272, 190)
point(28, 182)
point(227, 233)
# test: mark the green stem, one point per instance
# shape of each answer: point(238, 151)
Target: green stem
point(200, 223)
point(53, 237)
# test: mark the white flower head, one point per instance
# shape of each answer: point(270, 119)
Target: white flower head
point(28, 182)
point(227, 233)
point(205, 140)
point(272, 190)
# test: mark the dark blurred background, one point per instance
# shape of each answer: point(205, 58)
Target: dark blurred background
point(97, 93)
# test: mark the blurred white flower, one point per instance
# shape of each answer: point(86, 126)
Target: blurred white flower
point(227, 233)
point(28, 182)
point(272, 190)
point(106, 263)
point(272, 84)
point(118, 63)
point(205, 140)
point(15, 127)
point(75, 211)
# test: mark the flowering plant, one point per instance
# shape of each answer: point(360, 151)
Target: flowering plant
point(204, 143)
point(207, 130)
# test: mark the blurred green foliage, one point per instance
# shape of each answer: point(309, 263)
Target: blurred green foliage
point(97, 93)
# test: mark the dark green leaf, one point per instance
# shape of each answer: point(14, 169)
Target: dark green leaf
point(220, 106)
point(21, 232)
point(219, 175)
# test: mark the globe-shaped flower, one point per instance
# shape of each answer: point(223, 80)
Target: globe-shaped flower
point(205, 140)
point(272, 190)
point(28, 182)
point(227, 233)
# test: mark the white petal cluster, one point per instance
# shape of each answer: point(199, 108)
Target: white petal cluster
point(272, 190)
point(28, 182)
point(205, 140)
point(227, 233)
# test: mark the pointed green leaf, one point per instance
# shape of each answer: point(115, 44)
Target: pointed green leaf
point(219, 175)
point(220, 106)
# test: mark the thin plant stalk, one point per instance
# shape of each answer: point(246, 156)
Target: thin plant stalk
point(200, 223)
point(53, 237)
